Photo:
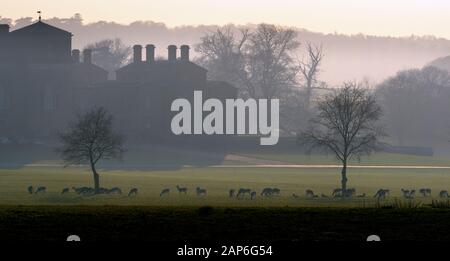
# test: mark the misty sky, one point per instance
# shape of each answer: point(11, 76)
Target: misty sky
point(376, 17)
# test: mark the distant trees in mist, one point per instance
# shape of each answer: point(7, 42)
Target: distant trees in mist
point(417, 106)
point(110, 54)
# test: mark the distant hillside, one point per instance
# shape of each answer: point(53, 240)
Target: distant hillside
point(442, 63)
point(347, 57)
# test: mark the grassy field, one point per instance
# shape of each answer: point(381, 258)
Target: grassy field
point(217, 181)
point(52, 216)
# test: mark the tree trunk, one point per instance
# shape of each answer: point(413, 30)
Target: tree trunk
point(96, 178)
point(344, 178)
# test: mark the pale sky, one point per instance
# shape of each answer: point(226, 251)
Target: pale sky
point(375, 17)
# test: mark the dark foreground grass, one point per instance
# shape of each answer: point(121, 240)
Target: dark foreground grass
point(111, 223)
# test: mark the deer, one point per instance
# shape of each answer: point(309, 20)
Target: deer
point(181, 190)
point(64, 191)
point(381, 193)
point(349, 192)
point(201, 192)
point(40, 189)
point(266, 192)
point(324, 196)
point(115, 190)
point(164, 192)
point(363, 195)
point(425, 192)
point(337, 193)
point(408, 194)
point(133, 192)
point(310, 193)
point(231, 193)
point(243, 191)
point(276, 191)
point(443, 194)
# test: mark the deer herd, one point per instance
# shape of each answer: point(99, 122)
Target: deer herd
point(247, 193)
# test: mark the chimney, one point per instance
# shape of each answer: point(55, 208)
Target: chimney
point(76, 56)
point(137, 53)
point(172, 52)
point(87, 56)
point(150, 53)
point(185, 53)
point(4, 29)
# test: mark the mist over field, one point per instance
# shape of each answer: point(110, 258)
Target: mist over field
point(347, 57)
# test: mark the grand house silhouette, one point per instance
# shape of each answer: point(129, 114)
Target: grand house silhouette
point(44, 84)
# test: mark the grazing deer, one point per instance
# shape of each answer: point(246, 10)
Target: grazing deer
point(337, 193)
point(408, 194)
point(425, 192)
point(266, 192)
point(40, 189)
point(381, 193)
point(133, 192)
point(309, 193)
point(115, 190)
point(253, 195)
point(276, 191)
point(201, 192)
point(181, 190)
point(443, 194)
point(231, 193)
point(65, 190)
point(324, 196)
point(349, 193)
point(30, 189)
point(243, 191)
point(164, 192)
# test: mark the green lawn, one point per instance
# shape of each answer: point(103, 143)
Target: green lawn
point(217, 181)
point(388, 159)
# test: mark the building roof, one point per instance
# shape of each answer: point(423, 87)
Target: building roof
point(160, 64)
point(40, 27)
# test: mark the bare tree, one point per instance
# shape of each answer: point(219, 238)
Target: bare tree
point(258, 61)
point(309, 69)
point(91, 139)
point(110, 54)
point(345, 125)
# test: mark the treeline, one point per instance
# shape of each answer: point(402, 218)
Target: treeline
point(348, 57)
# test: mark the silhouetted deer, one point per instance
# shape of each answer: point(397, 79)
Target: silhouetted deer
point(242, 191)
point(40, 189)
point(181, 190)
point(443, 194)
point(425, 192)
point(381, 193)
point(266, 192)
point(201, 192)
point(164, 192)
point(363, 195)
point(309, 193)
point(133, 192)
point(115, 190)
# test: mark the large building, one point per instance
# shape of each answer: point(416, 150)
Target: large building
point(44, 84)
